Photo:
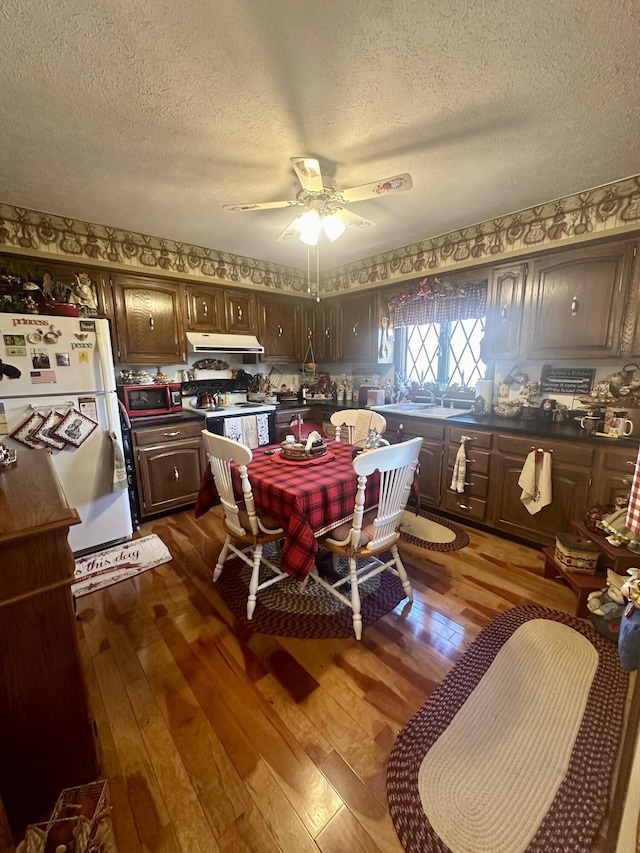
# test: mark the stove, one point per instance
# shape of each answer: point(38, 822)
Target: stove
point(232, 410)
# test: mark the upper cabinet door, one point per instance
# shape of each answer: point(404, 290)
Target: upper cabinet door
point(240, 312)
point(576, 302)
point(357, 328)
point(504, 313)
point(205, 309)
point(322, 329)
point(279, 329)
point(150, 324)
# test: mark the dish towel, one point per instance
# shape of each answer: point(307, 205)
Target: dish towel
point(460, 466)
point(535, 481)
point(250, 431)
point(233, 429)
point(119, 480)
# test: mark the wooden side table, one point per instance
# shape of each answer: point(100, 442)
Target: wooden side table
point(613, 557)
point(581, 584)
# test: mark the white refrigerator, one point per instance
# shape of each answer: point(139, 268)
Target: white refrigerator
point(66, 363)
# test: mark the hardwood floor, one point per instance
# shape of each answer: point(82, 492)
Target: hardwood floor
point(216, 739)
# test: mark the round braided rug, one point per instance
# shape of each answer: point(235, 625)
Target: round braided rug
point(289, 610)
point(514, 750)
point(411, 527)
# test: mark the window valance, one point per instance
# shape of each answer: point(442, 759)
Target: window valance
point(435, 301)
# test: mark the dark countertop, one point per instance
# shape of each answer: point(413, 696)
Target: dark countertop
point(565, 431)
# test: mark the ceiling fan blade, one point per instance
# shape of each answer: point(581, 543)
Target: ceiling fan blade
point(353, 220)
point(397, 184)
point(308, 171)
point(290, 231)
point(265, 205)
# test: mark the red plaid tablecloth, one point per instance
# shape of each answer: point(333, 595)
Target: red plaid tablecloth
point(633, 510)
point(306, 501)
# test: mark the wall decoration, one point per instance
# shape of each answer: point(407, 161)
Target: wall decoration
point(602, 211)
point(566, 380)
point(75, 428)
point(25, 433)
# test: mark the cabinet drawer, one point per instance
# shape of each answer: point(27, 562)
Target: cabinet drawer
point(623, 459)
point(566, 451)
point(477, 460)
point(478, 439)
point(413, 428)
point(467, 505)
point(476, 485)
point(147, 436)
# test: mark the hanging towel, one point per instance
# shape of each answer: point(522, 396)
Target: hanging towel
point(262, 423)
point(535, 481)
point(460, 466)
point(250, 431)
point(233, 429)
point(119, 469)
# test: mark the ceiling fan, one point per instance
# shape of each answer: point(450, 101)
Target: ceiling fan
point(323, 202)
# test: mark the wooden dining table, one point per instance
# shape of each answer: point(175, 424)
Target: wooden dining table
point(307, 498)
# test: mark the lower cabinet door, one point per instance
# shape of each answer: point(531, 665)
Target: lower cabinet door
point(569, 487)
point(430, 461)
point(169, 475)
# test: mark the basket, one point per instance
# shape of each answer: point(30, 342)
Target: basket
point(576, 554)
point(80, 821)
point(297, 451)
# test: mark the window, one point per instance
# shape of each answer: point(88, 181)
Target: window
point(444, 352)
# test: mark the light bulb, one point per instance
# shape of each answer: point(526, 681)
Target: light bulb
point(309, 227)
point(333, 227)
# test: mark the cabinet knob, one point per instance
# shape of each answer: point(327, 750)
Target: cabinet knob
point(464, 507)
point(574, 306)
point(205, 309)
point(355, 329)
point(176, 474)
point(172, 434)
point(503, 314)
point(239, 313)
point(279, 331)
point(151, 323)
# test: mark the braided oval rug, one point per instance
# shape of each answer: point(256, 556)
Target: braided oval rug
point(515, 749)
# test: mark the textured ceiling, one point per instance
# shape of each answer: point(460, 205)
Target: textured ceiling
point(151, 115)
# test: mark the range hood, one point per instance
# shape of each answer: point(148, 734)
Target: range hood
point(214, 342)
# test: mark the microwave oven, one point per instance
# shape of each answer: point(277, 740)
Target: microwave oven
point(146, 400)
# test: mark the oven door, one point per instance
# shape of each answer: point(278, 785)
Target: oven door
point(215, 423)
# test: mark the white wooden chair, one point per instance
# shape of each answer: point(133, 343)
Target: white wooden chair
point(247, 532)
point(354, 424)
point(375, 531)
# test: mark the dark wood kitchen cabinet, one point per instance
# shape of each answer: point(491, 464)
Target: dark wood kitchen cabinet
point(240, 312)
point(280, 329)
point(576, 302)
point(46, 732)
point(323, 324)
point(503, 322)
point(205, 309)
point(357, 320)
point(150, 321)
point(614, 473)
point(570, 483)
point(170, 463)
point(431, 452)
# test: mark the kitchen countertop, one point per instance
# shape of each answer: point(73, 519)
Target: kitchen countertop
point(565, 430)
point(166, 420)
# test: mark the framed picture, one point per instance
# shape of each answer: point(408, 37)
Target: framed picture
point(75, 428)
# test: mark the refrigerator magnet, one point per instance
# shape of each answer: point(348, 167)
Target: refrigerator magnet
point(83, 357)
point(40, 360)
point(62, 359)
point(75, 428)
point(25, 433)
point(44, 433)
point(9, 370)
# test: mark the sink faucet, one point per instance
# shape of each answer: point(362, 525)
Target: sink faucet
point(432, 396)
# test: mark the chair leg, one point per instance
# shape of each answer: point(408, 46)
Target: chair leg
point(355, 598)
point(402, 573)
point(221, 559)
point(253, 583)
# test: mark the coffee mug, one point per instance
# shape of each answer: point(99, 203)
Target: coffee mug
point(621, 426)
point(590, 423)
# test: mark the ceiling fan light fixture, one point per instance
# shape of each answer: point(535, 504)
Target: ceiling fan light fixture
point(333, 227)
point(309, 225)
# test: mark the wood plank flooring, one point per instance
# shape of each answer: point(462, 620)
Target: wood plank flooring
point(216, 739)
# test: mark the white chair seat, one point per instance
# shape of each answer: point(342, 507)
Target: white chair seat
point(243, 526)
point(375, 531)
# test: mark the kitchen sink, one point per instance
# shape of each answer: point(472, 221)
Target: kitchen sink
point(424, 410)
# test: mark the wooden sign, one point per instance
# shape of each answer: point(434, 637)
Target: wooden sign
point(567, 380)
